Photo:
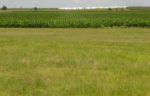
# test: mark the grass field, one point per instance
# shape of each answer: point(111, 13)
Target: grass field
point(75, 62)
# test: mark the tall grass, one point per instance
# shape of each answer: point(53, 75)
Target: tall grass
point(66, 62)
point(75, 19)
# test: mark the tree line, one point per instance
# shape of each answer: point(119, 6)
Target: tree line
point(5, 8)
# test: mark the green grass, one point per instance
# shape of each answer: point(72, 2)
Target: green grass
point(75, 62)
point(74, 19)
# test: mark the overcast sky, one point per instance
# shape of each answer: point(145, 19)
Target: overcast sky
point(72, 3)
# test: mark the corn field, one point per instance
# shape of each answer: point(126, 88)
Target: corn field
point(74, 19)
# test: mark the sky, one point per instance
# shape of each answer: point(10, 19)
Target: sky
point(71, 3)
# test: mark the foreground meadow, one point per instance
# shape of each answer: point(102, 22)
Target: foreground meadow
point(75, 62)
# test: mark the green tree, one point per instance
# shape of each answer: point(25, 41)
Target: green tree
point(109, 9)
point(35, 8)
point(4, 8)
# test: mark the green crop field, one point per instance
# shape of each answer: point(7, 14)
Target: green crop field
point(75, 19)
point(74, 62)
point(139, 8)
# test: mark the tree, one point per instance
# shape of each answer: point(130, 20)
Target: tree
point(35, 8)
point(109, 9)
point(4, 8)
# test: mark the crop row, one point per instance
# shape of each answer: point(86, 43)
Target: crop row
point(74, 19)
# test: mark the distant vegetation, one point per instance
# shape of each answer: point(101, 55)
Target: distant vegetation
point(35, 8)
point(76, 18)
point(109, 9)
point(139, 8)
point(4, 7)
